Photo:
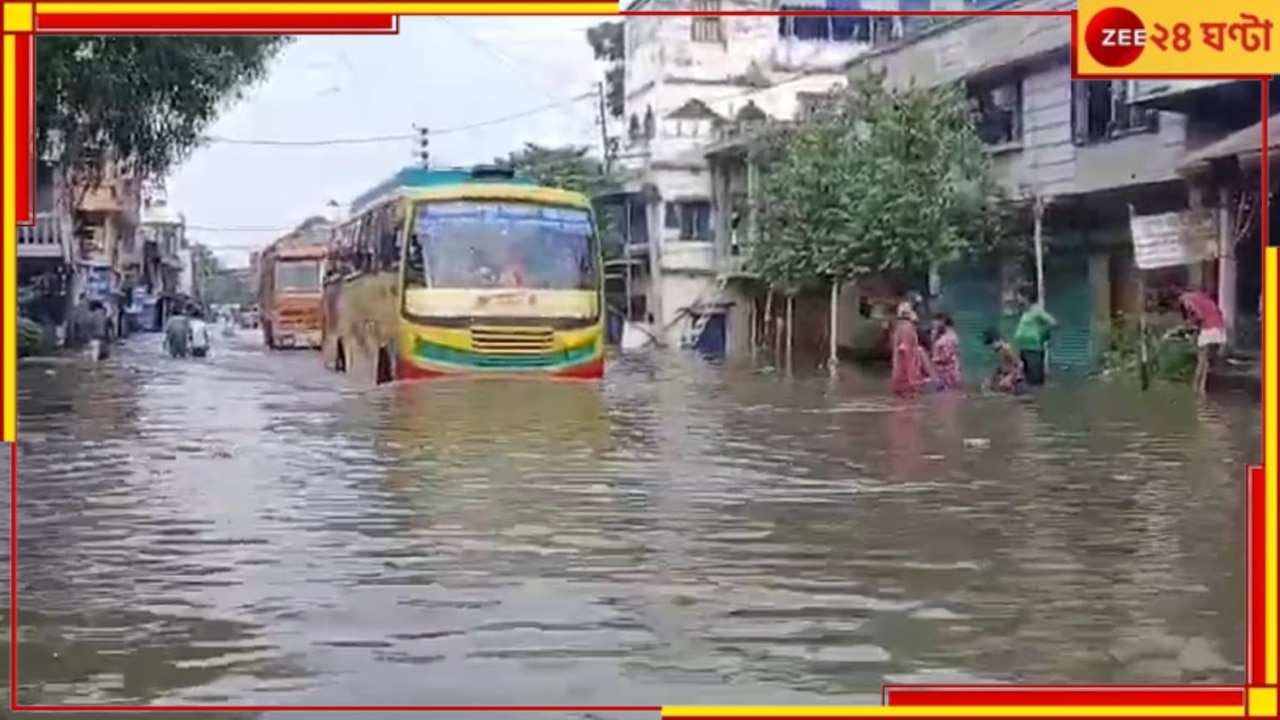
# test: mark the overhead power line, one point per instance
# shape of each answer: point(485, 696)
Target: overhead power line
point(238, 228)
point(405, 137)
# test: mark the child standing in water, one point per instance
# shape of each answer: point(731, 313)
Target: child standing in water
point(97, 331)
point(947, 371)
point(1008, 376)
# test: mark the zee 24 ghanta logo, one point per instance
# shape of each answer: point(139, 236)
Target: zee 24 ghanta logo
point(1116, 37)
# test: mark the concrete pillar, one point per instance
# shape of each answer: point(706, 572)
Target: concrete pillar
point(1195, 201)
point(653, 208)
point(1226, 261)
point(753, 180)
point(1100, 286)
point(720, 213)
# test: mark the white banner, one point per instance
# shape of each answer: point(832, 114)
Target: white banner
point(1172, 239)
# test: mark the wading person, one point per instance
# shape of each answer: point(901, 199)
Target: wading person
point(198, 330)
point(1009, 375)
point(97, 331)
point(945, 354)
point(177, 334)
point(905, 339)
point(1031, 336)
point(1205, 320)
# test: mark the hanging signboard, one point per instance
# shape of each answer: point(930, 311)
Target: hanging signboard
point(1172, 239)
point(99, 283)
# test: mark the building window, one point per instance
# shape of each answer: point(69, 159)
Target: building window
point(880, 30)
point(885, 30)
point(707, 29)
point(1102, 110)
point(912, 24)
point(997, 112)
point(691, 217)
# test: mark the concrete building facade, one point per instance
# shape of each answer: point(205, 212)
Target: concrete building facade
point(689, 80)
point(1090, 153)
point(79, 246)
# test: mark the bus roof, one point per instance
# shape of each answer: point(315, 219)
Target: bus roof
point(310, 252)
point(410, 179)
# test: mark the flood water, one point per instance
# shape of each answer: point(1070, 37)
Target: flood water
point(255, 530)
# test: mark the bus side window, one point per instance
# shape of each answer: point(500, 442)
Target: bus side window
point(389, 238)
point(365, 243)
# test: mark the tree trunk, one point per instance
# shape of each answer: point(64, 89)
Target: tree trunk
point(791, 334)
point(833, 353)
point(770, 327)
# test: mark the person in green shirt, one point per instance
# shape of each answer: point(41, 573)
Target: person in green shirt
point(1031, 337)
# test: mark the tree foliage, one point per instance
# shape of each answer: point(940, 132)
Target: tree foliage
point(571, 167)
point(218, 284)
point(146, 99)
point(886, 180)
point(608, 44)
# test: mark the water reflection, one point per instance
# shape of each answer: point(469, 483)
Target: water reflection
point(251, 530)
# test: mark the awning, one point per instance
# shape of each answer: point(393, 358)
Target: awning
point(1244, 144)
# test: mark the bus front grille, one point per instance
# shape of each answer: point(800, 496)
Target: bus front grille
point(512, 341)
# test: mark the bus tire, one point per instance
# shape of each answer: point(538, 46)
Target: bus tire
point(386, 368)
point(340, 358)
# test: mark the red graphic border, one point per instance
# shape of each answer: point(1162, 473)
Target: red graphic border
point(893, 695)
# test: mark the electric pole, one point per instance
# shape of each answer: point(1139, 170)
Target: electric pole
point(424, 146)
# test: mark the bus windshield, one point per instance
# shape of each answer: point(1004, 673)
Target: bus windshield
point(297, 276)
point(505, 244)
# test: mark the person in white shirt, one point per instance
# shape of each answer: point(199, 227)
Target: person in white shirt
point(199, 330)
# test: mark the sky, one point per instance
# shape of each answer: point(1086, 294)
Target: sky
point(438, 72)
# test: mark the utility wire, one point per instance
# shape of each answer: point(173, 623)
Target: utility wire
point(238, 228)
point(406, 136)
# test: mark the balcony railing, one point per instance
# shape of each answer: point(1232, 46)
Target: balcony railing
point(44, 239)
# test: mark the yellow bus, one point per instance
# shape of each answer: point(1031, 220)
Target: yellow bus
point(441, 273)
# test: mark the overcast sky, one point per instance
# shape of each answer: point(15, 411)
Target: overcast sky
point(440, 72)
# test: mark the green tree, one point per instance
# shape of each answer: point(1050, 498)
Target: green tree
point(608, 44)
point(571, 167)
point(146, 99)
point(889, 180)
point(217, 284)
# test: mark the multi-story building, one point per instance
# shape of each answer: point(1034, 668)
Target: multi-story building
point(164, 280)
point(1090, 153)
point(689, 80)
point(1222, 168)
point(82, 235)
point(106, 221)
point(46, 258)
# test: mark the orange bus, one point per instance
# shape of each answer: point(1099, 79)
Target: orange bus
point(290, 294)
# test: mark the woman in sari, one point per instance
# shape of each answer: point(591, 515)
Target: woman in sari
point(906, 376)
point(947, 371)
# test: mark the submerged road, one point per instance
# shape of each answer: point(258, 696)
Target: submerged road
point(255, 530)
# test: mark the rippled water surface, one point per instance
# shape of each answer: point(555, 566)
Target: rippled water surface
point(255, 530)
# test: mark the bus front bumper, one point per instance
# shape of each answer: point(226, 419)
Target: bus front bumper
point(289, 338)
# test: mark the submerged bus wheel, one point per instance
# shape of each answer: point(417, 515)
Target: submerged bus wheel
point(385, 372)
